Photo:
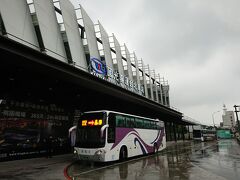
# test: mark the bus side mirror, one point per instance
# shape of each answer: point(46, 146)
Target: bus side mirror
point(103, 128)
point(71, 130)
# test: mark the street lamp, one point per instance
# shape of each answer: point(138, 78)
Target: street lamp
point(213, 117)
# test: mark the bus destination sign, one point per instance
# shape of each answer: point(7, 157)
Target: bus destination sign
point(93, 122)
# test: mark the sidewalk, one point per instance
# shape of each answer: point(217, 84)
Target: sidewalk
point(36, 168)
point(45, 168)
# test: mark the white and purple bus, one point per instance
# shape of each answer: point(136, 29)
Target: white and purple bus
point(109, 136)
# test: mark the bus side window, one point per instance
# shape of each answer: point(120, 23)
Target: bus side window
point(129, 122)
point(133, 123)
point(146, 124)
point(120, 121)
point(139, 123)
point(151, 125)
point(111, 128)
point(155, 125)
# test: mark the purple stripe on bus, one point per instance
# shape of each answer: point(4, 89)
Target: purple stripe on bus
point(123, 132)
point(150, 148)
point(157, 136)
point(141, 146)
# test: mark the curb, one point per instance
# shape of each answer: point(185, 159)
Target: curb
point(65, 172)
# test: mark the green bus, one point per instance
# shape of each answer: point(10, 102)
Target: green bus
point(224, 134)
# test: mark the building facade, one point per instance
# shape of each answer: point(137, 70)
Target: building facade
point(228, 118)
point(56, 63)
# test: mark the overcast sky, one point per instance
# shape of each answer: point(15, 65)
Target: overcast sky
point(194, 44)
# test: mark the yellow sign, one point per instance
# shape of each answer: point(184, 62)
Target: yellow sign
point(84, 122)
point(96, 122)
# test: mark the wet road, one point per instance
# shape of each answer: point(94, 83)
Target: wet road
point(211, 160)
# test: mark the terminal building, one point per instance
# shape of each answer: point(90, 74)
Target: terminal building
point(56, 63)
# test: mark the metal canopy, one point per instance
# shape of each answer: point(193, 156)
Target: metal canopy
point(74, 87)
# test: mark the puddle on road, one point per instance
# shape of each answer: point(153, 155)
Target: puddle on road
point(211, 160)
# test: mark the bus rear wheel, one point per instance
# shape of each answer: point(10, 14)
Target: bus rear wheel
point(155, 149)
point(123, 154)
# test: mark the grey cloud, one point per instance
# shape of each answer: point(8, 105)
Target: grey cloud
point(195, 44)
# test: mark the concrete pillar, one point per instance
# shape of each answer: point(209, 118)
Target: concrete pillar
point(170, 131)
point(189, 135)
point(174, 131)
point(183, 135)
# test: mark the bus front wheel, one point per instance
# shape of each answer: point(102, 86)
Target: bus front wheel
point(123, 154)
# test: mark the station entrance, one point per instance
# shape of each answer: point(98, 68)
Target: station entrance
point(40, 96)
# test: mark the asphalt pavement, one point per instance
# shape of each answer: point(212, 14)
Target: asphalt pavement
point(216, 160)
point(36, 168)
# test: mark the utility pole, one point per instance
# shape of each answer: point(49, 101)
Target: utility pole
point(236, 111)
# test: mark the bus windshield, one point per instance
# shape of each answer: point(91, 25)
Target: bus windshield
point(89, 130)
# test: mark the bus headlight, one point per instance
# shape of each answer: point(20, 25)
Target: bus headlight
point(100, 152)
point(75, 151)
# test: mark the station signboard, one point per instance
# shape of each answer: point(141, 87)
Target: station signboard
point(98, 68)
